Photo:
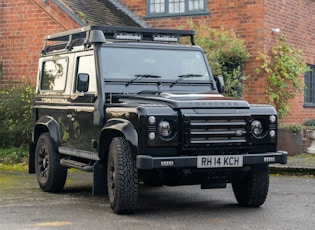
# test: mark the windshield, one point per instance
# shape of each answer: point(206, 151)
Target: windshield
point(135, 64)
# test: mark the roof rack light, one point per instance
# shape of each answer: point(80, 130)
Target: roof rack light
point(128, 36)
point(165, 38)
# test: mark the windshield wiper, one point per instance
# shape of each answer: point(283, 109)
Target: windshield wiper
point(182, 77)
point(140, 76)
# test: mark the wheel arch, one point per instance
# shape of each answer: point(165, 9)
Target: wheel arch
point(114, 128)
point(42, 125)
point(47, 124)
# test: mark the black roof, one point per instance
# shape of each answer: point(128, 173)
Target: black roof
point(100, 12)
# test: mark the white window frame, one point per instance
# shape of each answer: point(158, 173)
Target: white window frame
point(173, 8)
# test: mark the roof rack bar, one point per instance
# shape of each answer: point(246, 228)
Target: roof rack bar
point(86, 42)
point(68, 46)
point(110, 32)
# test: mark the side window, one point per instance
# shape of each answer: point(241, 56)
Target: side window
point(54, 75)
point(86, 65)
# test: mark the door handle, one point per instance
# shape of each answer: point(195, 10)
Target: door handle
point(71, 116)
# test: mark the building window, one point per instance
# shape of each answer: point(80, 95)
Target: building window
point(157, 6)
point(309, 92)
point(195, 5)
point(166, 8)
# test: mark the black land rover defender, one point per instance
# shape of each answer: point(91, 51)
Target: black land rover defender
point(132, 105)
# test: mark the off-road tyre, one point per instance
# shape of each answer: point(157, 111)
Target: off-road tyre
point(253, 190)
point(51, 176)
point(122, 177)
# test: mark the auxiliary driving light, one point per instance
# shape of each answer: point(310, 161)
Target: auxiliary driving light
point(151, 136)
point(272, 133)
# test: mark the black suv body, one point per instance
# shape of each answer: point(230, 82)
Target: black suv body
point(132, 107)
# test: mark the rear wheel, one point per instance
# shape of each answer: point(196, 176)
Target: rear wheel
point(122, 177)
point(253, 190)
point(51, 176)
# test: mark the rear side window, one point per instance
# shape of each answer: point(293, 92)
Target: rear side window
point(54, 75)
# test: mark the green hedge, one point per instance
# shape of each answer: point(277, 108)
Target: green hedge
point(16, 102)
point(226, 54)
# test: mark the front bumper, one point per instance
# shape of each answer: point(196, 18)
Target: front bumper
point(146, 162)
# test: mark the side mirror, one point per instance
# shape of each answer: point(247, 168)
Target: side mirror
point(83, 82)
point(220, 83)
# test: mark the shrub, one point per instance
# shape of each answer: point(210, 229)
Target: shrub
point(13, 155)
point(294, 128)
point(226, 54)
point(16, 104)
point(283, 65)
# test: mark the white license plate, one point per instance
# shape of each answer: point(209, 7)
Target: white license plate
point(219, 161)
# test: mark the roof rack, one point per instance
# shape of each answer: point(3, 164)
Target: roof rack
point(99, 34)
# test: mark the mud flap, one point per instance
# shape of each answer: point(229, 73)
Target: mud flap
point(99, 179)
point(31, 162)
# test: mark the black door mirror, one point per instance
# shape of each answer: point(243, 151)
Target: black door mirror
point(220, 83)
point(83, 82)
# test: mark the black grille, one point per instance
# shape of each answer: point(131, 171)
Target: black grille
point(215, 130)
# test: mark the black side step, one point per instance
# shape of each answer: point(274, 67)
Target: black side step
point(215, 185)
point(77, 165)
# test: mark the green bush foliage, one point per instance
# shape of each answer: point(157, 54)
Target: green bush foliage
point(226, 54)
point(294, 128)
point(16, 103)
point(283, 64)
point(13, 155)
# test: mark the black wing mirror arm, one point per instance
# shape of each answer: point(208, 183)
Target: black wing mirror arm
point(220, 83)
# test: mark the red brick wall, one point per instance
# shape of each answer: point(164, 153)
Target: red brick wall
point(23, 25)
point(296, 21)
point(244, 17)
point(253, 21)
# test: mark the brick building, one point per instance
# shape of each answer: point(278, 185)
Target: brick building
point(23, 23)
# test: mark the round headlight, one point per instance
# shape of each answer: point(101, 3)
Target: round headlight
point(257, 128)
point(165, 129)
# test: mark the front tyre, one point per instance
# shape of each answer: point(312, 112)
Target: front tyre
point(253, 189)
point(51, 176)
point(122, 177)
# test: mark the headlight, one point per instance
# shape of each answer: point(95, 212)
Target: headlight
point(257, 129)
point(162, 130)
point(165, 129)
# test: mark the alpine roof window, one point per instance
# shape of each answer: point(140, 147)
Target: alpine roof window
point(54, 75)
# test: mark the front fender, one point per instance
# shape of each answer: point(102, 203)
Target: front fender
point(118, 127)
point(44, 124)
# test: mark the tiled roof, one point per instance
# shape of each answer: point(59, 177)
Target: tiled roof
point(100, 12)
